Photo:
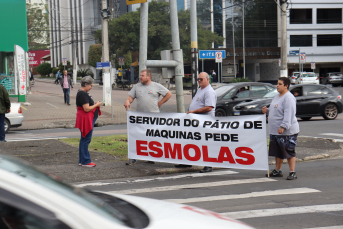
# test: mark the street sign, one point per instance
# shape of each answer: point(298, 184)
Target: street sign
point(100, 65)
point(294, 52)
point(219, 57)
point(64, 60)
point(313, 65)
point(121, 60)
point(210, 54)
point(302, 57)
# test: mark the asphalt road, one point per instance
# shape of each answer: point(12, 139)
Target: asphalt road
point(314, 200)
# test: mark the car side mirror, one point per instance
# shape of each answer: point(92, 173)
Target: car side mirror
point(234, 97)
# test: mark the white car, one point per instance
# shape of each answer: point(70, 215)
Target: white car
point(307, 78)
point(32, 199)
point(15, 118)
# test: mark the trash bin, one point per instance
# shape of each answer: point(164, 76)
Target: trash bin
point(210, 79)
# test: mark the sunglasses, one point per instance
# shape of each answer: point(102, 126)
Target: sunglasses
point(201, 79)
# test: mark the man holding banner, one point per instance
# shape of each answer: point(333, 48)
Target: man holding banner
point(147, 94)
point(204, 102)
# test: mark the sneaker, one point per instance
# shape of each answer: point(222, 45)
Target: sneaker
point(292, 176)
point(206, 169)
point(182, 166)
point(275, 173)
point(150, 162)
point(80, 164)
point(131, 162)
point(89, 165)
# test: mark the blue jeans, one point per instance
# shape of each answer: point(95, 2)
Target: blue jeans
point(2, 127)
point(66, 92)
point(84, 156)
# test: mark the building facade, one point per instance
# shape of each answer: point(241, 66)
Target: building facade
point(315, 28)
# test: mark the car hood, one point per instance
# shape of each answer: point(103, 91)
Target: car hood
point(167, 215)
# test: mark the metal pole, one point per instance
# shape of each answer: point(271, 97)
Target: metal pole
point(212, 23)
point(243, 44)
point(233, 40)
point(194, 46)
point(284, 38)
point(299, 61)
point(224, 23)
point(143, 40)
point(106, 78)
point(178, 56)
point(202, 65)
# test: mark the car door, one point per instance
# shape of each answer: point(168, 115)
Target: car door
point(239, 94)
point(312, 99)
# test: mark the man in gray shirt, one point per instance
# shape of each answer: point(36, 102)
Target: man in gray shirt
point(204, 102)
point(147, 94)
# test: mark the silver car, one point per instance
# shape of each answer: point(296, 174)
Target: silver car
point(334, 78)
point(14, 118)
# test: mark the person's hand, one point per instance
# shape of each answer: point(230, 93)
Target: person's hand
point(192, 111)
point(264, 110)
point(8, 110)
point(159, 104)
point(98, 104)
point(280, 130)
point(127, 105)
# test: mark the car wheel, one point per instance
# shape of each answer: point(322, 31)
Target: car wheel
point(220, 112)
point(7, 125)
point(330, 111)
point(305, 118)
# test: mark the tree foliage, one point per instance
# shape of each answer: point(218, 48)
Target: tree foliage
point(37, 26)
point(94, 54)
point(44, 69)
point(124, 32)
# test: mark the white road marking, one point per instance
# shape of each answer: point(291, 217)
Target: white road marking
point(332, 227)
point(191, 186)
point(52, 105)
point(161, 178)
point(31, 139)
point(284, 211)
point(245, 195)
point(332, 134)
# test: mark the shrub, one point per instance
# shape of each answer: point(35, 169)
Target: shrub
point(54, 70)
point(237, 80)
point(44, 69)
point(84, 72)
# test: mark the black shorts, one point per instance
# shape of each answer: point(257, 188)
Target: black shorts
point(282, 146)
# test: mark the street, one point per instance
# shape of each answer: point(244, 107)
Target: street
point(314, 200)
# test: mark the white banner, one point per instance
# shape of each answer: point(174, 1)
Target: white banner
point(230, 142)
point(21, 69)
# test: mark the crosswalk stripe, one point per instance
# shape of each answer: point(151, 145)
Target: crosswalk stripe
point(219, 173)
point(284, 211)
point(332, 227)
point(198, 185)
point(245, 195)
point(31, 139)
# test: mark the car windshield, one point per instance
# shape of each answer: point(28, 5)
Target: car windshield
point(271, 94)
point(55, 184)
point(223, 89)
point(310, 75)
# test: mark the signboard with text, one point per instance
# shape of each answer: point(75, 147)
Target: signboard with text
point(20, 68)
point(35, 57)
point(210, 54)
point(202, 140)
point(219, 57)
point(302, 57)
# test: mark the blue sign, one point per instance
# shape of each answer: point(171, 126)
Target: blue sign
point(103, 65)
point(294, 52)
point(210, 54)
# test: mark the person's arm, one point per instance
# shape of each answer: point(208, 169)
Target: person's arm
point(201, 110)
point(88, 108)
point(164, 99)
point(128, 102)
point(7, 101)
point(71, 83)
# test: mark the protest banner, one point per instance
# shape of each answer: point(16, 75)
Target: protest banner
point(230, 142)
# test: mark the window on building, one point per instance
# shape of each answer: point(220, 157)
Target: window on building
point(329, 16)
point(301, 40)
point(329, 40)
point(300, 16)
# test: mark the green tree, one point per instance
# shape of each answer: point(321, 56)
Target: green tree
point(124, 32)
point(44, 69)
point(94, 54)
point(37, 26)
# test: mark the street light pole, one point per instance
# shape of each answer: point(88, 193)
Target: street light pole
point(283, 72)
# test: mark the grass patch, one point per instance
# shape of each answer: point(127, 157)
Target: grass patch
point(115, 145)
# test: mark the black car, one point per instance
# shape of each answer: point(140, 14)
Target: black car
point(231, 94)
point(312, 100)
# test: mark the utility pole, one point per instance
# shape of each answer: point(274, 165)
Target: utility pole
point(243, 42)
point(224, 23)
point(283, 71)
point(212, 22)
point(106, 79)
point(73, 45)
point(143, 40)
point(194, 46)
point(233, 40)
